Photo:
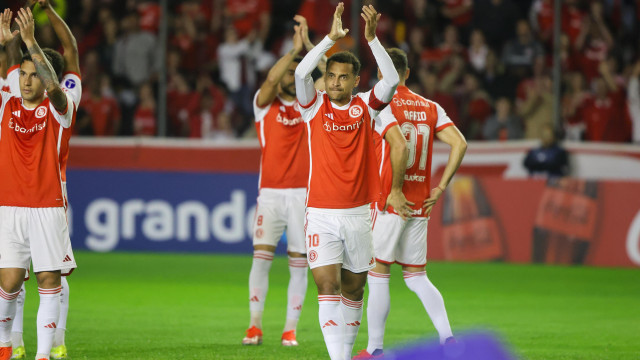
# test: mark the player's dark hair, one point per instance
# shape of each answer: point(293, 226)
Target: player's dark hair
point(345, 57)
point(297, 59)
point(400, 61)
point(53, 57)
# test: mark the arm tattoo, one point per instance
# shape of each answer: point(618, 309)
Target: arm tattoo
point(49, 78)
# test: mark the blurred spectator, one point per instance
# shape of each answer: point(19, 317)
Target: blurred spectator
point(573, 102)
point(149, 12)
point(519, 54)
point(460, 13)
point(594, 42)
point(101, 108)
point(476, 107)
point(478, 51)
point(633, 99)
point(236, 69)
point(136, 52)
point(144, 119)
point(572, 19)
point(249, 16)
point(208, 122)
point(494, 79)
point(536, 110)
point(449, 47)
point(496, 19)
point(605, 114)
point(430, 84)
point(550, 159)
point(541, 18)
point(503, 124)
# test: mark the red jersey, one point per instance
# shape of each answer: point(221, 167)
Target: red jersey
point(419, 119)
point(607, 119)
point(70, 84)
point(30, 143)
point(284, 162)
point(144, 122)
point(344, 171)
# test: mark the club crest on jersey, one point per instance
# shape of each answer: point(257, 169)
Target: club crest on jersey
point(313, 256)
point(355, 111)
point(41, 112)
point(70, 84)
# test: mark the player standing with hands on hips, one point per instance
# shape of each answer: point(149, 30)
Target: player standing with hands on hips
point(33, 225)
point(343, 178)
point(404, 240)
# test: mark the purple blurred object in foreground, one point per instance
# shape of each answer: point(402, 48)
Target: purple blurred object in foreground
point(469, 346)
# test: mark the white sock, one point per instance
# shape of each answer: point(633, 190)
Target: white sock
point(18, 320)
point(332, 325)
point(352, 313)
point(378, 304)
point(258, 285)
point(47, 321)
point(64, 312)
point(8, 302)
point(296, 292)
point(432, 301)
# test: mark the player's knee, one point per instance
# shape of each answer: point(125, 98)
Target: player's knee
point(328, 288)
point(48, 279)
point(11, 280)
point(355, 294)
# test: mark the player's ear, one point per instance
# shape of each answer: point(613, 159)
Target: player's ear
point(355, 84)
point(406, 74)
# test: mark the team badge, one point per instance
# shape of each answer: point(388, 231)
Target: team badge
point(259, 233)
point(313, 256)
point(41, 112)
point(70, 84)
point(355, 111)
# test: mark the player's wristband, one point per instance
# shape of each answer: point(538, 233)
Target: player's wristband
point(441, 189)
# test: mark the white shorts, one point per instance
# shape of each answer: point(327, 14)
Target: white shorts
point(40, 235)
point(279, 210)
point(340, 237)
point(400, 241)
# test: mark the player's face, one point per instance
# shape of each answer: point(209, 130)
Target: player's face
point(31, 87)
point(288, 84)
point(339, 81)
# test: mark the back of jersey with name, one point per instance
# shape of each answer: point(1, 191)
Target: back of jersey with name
point(419, 120)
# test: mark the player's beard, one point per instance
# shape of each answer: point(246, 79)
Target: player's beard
point(289, 89)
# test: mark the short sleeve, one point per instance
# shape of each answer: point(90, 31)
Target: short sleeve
point(259, 112)
point(310, 110)
point(66, 117)
point(72, 84)
point(384, 121)
point(443, 119)
point(4, 98)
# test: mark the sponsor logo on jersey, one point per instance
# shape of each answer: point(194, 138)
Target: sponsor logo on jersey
point(288, 122)
point(331, 126)
point(20, 129)
point(70, 83)
point(418, 178)
point(355, 111)
point(408, 102)
point(41, 112)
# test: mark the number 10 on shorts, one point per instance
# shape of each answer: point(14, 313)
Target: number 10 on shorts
point(314, 240)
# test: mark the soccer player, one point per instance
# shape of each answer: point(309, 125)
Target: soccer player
point(33, 224)
point(71, 84)
point(343, 180)
point(404, 241)
point(284, 171)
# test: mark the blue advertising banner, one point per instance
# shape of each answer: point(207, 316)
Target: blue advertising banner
point(161, 211)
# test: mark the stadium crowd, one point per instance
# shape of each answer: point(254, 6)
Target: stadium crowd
point(487, 62)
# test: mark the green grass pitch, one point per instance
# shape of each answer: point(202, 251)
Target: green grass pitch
point(175, 306)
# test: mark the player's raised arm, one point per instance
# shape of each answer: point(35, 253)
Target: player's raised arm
point(305, 91)
point(43, 68)
point(451, 136)
point(68, 41)
point(269, 88)
point(6, 35)
point(383, 89)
